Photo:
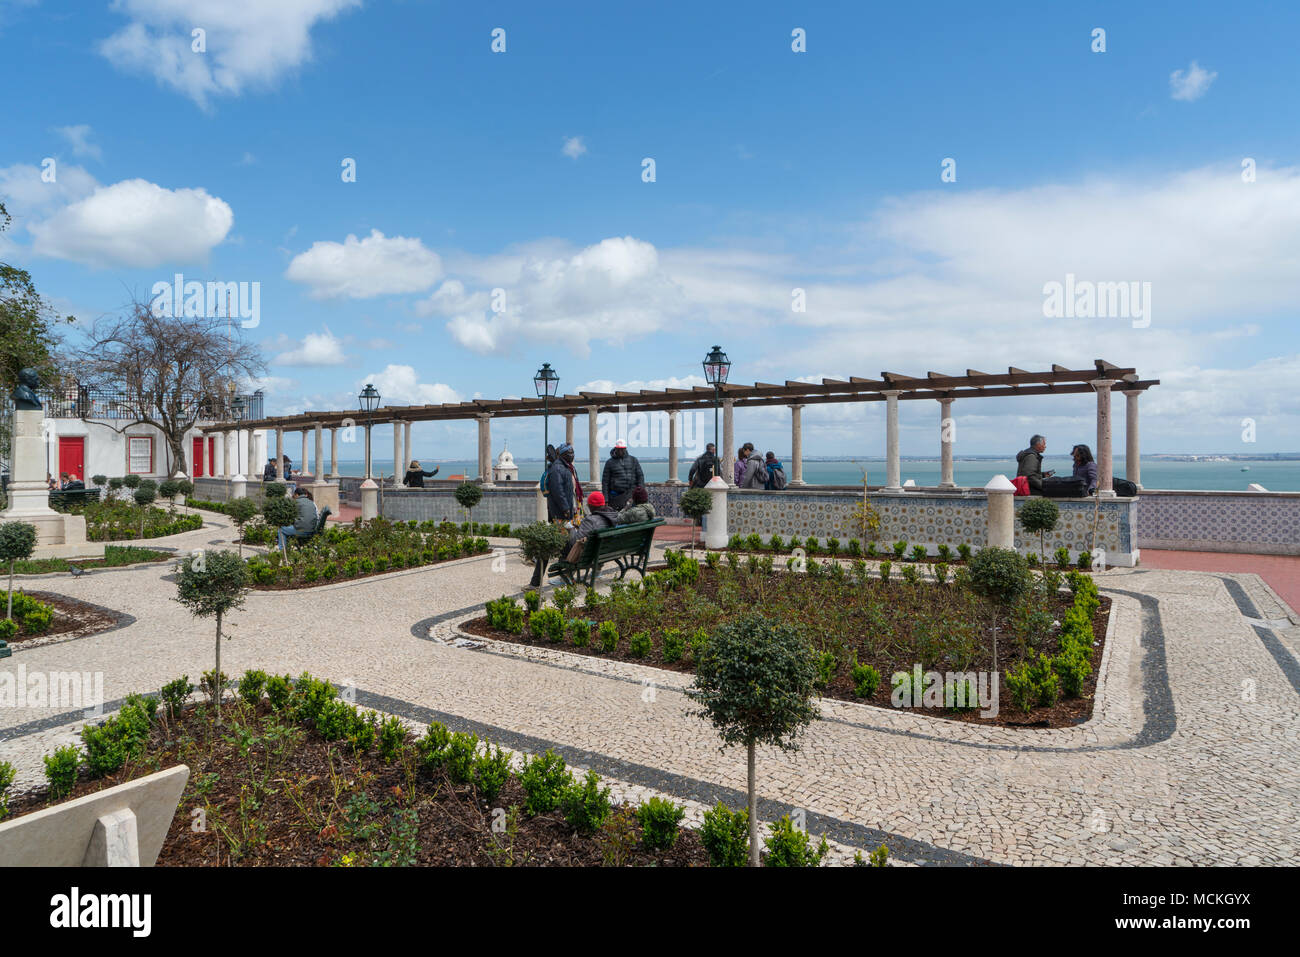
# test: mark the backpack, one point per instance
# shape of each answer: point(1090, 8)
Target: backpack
point(1063, 487)
point(1123, 487)
point(778, 478)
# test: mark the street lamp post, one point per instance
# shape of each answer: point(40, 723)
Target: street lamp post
point(547, 384)
point(368, 401)
point(716, 368)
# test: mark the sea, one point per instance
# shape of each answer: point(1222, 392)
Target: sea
point(1272, 474)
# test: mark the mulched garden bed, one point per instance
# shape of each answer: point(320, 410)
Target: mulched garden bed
point(71, 619)
point(272, 793)
point(876, 620)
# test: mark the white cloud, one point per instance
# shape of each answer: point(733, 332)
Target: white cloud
point(378, 265)
point(316, 349)
point(135, 223)
point(574, 147)
point(27, 196)
point(635, 385)
point(250, 43)
point(401, 385)
point(1190, 84)
point(613, 291)
point(78, 138)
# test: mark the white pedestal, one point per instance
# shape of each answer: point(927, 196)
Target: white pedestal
point(715, 522)
point(57, 535)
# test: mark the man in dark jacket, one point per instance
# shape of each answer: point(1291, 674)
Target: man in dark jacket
point(705, 467)
point(1029, 463)
point(622, 474)
point(561, 486)
point(599, 515)
point(304, 523)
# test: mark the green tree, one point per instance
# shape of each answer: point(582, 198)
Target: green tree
point(145, 494)
point(695, 504)
point(212, 584)
point(755, 683)
point(29, 335)
point(468, 494)
point(17, 541)
point(241, 511)
point(1039, 515)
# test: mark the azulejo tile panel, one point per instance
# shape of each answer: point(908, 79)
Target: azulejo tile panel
point(1233, 519)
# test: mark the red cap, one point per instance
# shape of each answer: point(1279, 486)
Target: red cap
point(595, 499)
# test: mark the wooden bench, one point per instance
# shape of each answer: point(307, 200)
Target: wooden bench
point(626, 546)
point(67, 498)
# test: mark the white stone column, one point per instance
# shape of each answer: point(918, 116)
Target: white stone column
point(715, 522)
point(728, 442)
point(218, 465)
point(279, 454)
point(1001, 512)
point(369, 499)
point(367, 454)
point(568, 428)
point(593, 448)
point(319, 471)
point(1132, 455)
point(796, 444)
point(254, 465)
point(893, 467)
point(485, 449)
point(407, 454)
point(947, 432)
point(398, 471)
point(302, 462)
point(334, 453)
point(1105, 473)
point(672, 448)
point(231, 439)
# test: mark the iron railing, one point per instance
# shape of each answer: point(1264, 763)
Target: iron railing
point(82, 403)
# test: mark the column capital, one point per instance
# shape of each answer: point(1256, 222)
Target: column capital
point(891, 392)
point(1102, 383)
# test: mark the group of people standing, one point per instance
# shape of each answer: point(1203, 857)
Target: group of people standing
point(750, 470)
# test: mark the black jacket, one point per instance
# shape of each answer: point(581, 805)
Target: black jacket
point(1030, 465)
point(602, 516)
point(703, 470)
point(559, 491)
point(622, 474)
point(414, 478)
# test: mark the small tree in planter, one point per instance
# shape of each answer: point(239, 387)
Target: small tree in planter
point(1039, 515)
point(755, 682)
point(540, 542)
point(169, 489)
point(468, 494)
point(241, 510)
point(1000, 575)
point(279, 510)
point(144, 494)
point(132, 481)
point(695, 503)
point(99, 480)
point(212, 584)
point(17, 541)
point(115, 485)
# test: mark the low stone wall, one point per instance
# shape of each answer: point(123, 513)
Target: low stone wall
point(1262, 523)
point(513, 504)
point(930, 518)
point(218, 490)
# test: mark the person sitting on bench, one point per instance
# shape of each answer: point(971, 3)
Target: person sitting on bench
point(598, 516)
point(304, 525)
point(1030, 464)
point(639, 511)
point(1085, 468)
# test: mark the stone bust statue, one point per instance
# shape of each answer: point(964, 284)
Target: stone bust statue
point(24, 394)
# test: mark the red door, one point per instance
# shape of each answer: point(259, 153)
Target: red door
point(196, 467)
point(72, 457)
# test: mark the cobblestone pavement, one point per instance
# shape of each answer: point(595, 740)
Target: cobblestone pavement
point(1191, 756)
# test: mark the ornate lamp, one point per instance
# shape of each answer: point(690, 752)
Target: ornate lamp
point(716, 369)
point(547, 384)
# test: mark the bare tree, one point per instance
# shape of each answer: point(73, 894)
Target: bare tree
point(171, 370)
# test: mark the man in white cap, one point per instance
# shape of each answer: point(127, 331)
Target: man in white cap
point(622, 475)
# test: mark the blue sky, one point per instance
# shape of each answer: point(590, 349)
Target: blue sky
point(775, 170)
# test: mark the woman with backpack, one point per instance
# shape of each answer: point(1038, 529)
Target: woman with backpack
point(775, 473)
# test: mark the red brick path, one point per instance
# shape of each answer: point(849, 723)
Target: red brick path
point(1282, 572)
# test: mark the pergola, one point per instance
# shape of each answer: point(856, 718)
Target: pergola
point(1101, 378)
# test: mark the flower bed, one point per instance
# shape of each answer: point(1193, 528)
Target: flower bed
point(115, 556)
point(295, 776)
point(46, 615)
point(866, 630)
point(118, 520)
point(898, 551)
point(342, 553)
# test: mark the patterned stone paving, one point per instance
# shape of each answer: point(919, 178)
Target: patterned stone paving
point(1190, 758)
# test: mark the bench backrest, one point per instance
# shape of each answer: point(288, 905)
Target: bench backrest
point(619, 540)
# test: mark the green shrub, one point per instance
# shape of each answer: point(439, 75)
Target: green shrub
point(826, 666)
point(586, 806)
point(580, 632)
point(919, 553)
point(660, 820)
point(877, 858)
point(564, 597)
point(941, 572)
point(855, 548)
point(754, 543)
point(1085, 561)
point(1072, 668)
point(7, 775)
point(866, 680)
point(608, 632)
point(251, 685)
point(8, 629)
point(459, 756)
point(1000, 574)
point(491, 772)
point(1062, 556)
point(279, 689)
point(810, 545)
point(392, 737)
point(776, 543)
point(674, 645)
point(640, 644)
point(547, 624)
point(542, 541)
point(787, 846)
point(699, 643)
point(61, 771)
point(544, 780)
point(174, 694)
point(900, 549)
point(833, 546)
point(945, 553)
point(964, 551)
point(132, 481)
point(885, 567)
point(275, 490)
point(960, 694)
point(871, 550)
point(725, 836)
point(433, 746)
point(911, 575)
point(532, 600)
point(121, 738)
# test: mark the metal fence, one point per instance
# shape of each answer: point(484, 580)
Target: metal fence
point(82, 403)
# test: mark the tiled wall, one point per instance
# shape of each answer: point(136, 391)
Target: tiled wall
point(921, 519)
point(515, 505)
point(1258, 522)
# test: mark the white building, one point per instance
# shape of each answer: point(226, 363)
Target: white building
point(84, 437)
